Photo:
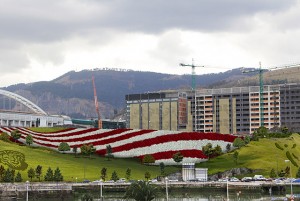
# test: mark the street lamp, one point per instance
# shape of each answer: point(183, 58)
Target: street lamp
point(100, 182)
point(288, 161)
point(27, 186)
point(227, 190)
point(167, 195)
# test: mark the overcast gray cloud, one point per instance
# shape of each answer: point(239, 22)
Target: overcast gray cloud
point(62, 34)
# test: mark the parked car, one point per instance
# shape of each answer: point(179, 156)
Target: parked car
point(193, 180)
point(246, 179)
point(121, 180)
point(110, 181)
point(296, 181)
point(223, 180)
point(234, 179)
point(259, 178)
point(86, 181)
point(97, 181)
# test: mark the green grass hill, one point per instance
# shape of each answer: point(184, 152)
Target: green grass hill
point(72, 167)
point(262, 155)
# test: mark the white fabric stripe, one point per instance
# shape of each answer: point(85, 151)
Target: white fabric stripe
point(169, 146)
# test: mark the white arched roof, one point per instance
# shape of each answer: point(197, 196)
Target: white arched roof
point(36, 109)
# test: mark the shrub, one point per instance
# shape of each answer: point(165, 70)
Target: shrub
point(296, 157)
point(285, 145)
point(238, 142)
point(148, 158)
point(288, 155)
point(294, 146)
point(278, 146)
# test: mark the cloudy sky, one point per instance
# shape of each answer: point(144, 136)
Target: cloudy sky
point(42, 39)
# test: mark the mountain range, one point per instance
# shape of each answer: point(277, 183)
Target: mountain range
point(72, 93)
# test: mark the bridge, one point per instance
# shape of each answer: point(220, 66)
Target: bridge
point(18, 111)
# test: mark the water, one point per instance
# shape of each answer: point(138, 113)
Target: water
point(174, 195)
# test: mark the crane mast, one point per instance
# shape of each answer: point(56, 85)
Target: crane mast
point(193, 88)
point(193, 73)
point(97, 104)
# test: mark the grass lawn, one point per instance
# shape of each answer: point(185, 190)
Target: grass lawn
point(72, 167)
point(260, 155)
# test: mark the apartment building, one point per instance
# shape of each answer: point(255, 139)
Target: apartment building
point(229, 110)
point(160, 111)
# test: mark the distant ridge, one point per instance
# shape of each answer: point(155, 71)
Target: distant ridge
point(72, 93)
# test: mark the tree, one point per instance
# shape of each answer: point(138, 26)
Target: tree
point(18, 177)
point(148, 158)
point(178, 157)
point(8, 175)
point(235, 157)
point(260, 132)
point(238, 142)
point(281, 173)
point(147, 175)
point(15, 135)
point(64, 147)
point(142, 191)
point(49, 175)
point(74, 149)
point(162, 168)
point(38, 172)
point(109, 152)
point(284, 130)
point(128, 173)
point(228, 147)
point(57, 175)
point(84, 149)
point(218, 150)
point(247, 139)
point(103, 173)
point(4, 137)
point(2, 170)
point(29, 139)
point(114, 176)
point(273, 173)
point(92, 150)
point(87, 149)
point(31, 173)
point(287, 171)
point(208, 150)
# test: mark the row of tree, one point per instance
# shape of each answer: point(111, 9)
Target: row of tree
point(115, 177)
point(9, 175)
point(49, 176)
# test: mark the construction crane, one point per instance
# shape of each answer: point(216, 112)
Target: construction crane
point(96, 104)
point(193, 73)
point(261, 86)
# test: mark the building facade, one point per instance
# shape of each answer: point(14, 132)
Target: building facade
point(234, 110)
point(160, 111)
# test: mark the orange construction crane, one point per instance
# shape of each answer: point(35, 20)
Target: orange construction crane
point(96, 104)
